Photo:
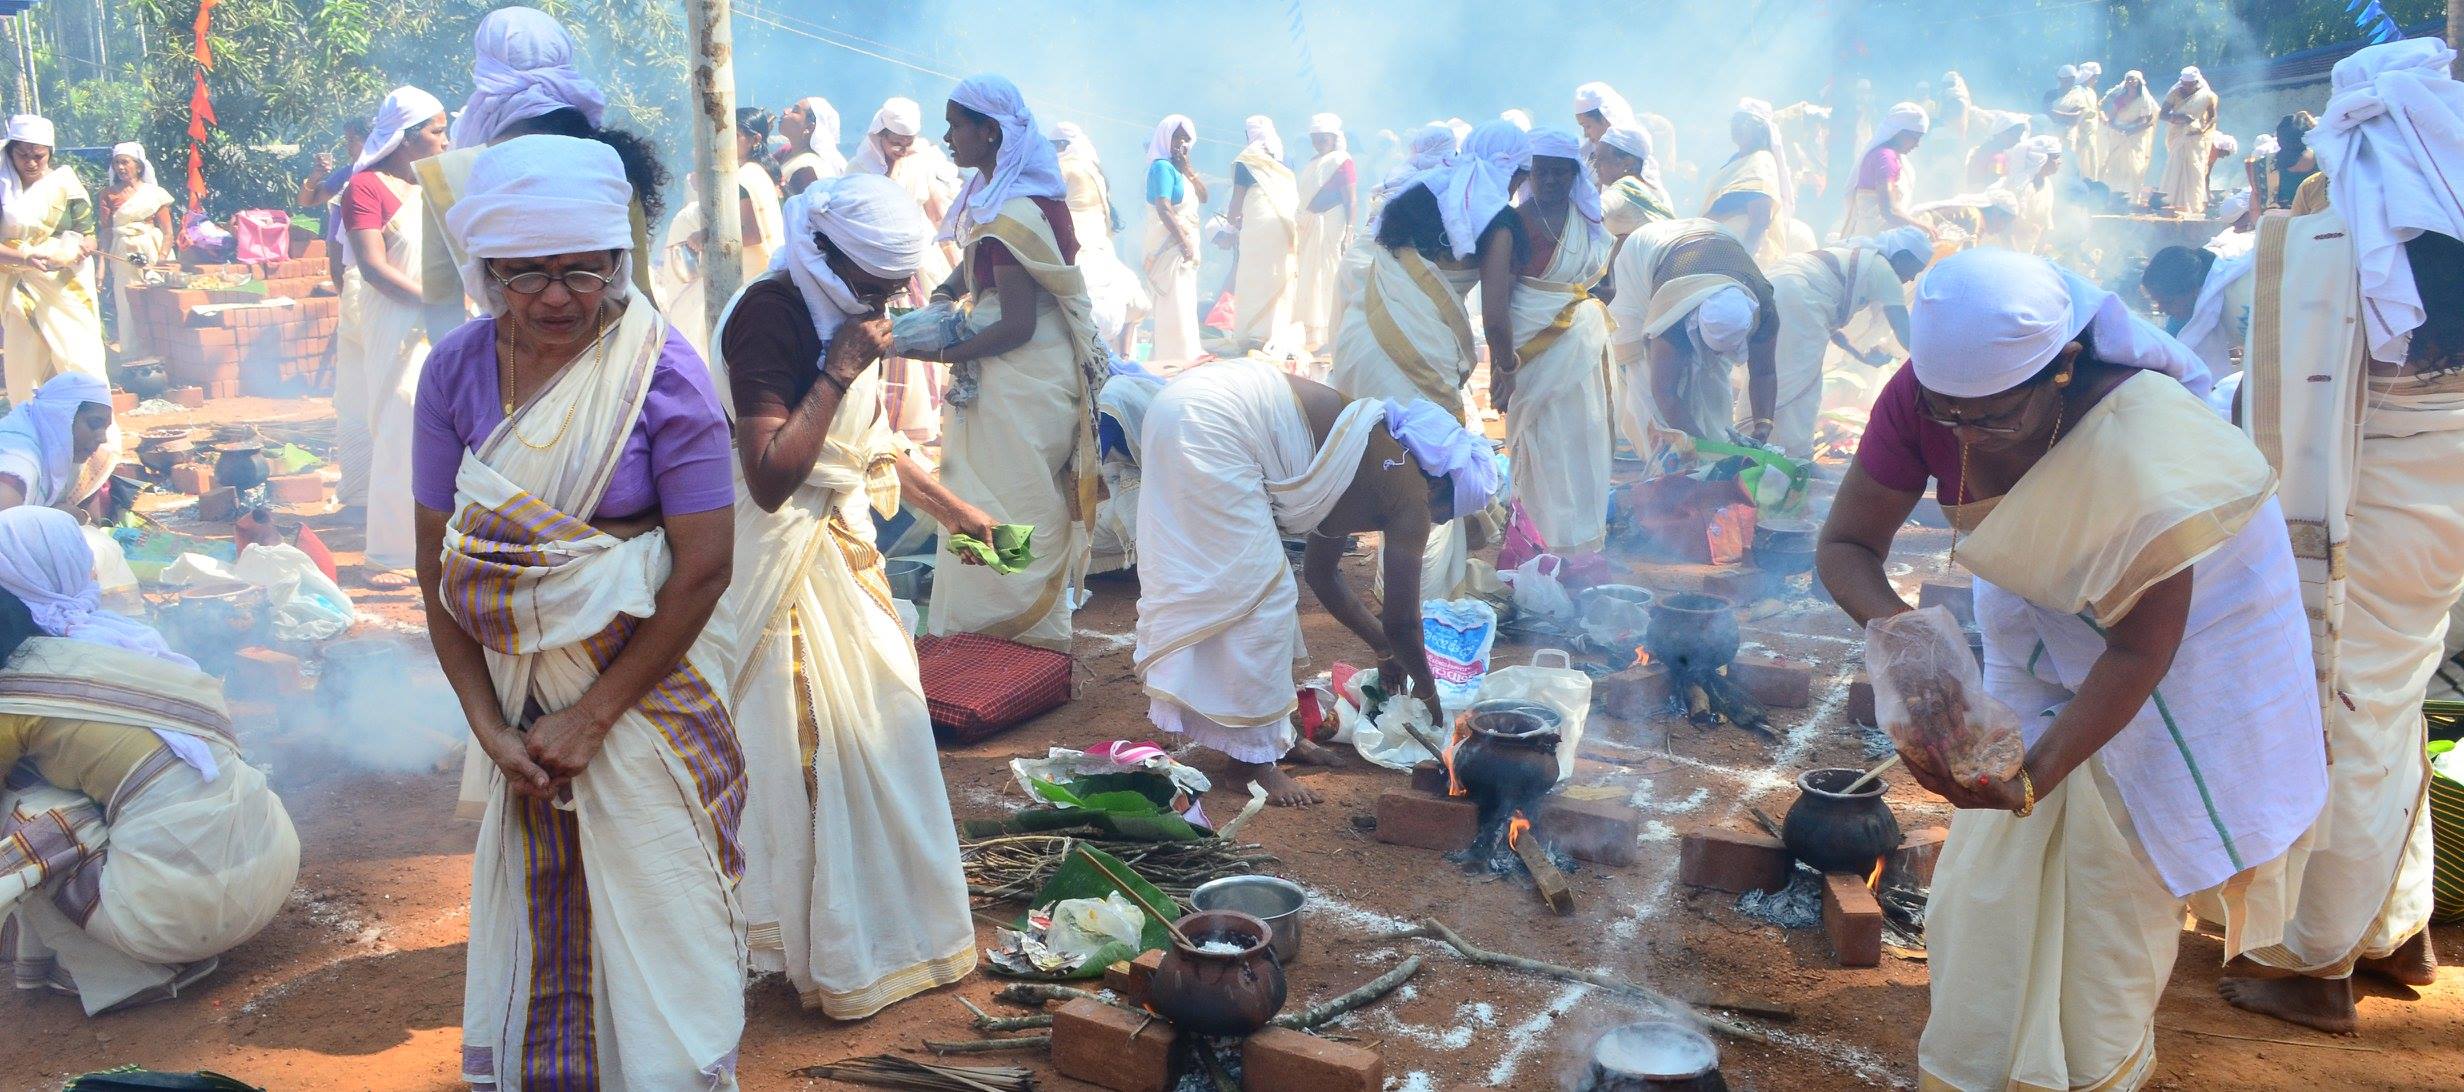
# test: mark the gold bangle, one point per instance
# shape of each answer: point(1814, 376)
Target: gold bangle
point(2027, 787)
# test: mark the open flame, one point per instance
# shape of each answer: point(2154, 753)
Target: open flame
point(1873, 880)
point(1517, 825)
point(1462, 732)
point(1642, 656)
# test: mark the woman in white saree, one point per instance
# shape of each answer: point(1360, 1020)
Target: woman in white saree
point(1556, 398)
point(136, 845)
point(1018, 433)
point(1174, 194)
point(2128, 136)
point(136, 226)
point(50, 322)
point(894, 147)
point(845, 798)
point(2141, 617)
point(2189, 113)
point(575, 541)
point(1265, 213)
point(376, 369)
point(58, 447)
point(1754, 194)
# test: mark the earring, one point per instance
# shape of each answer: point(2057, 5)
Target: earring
point(2062, 380)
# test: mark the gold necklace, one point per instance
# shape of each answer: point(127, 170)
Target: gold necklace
point(2061, 409)
point(512, 343)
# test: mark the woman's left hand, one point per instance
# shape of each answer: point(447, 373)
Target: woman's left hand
point(2002, 794)
point(564, 742)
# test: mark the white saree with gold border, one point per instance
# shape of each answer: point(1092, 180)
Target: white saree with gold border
point(1267, 267)
point(606, 946)
point(1557, 424)
point(50, 322)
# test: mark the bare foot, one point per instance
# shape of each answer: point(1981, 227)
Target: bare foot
point(2413, 964)
point(1281, 790)
point(2322, 1003)
point(392, 579)
point(1311, 754)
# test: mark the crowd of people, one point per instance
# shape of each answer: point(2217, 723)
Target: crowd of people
point(2210, 555)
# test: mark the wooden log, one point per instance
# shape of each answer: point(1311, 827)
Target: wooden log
point(1545, 876)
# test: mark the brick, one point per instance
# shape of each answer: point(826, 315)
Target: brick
point(1430, 777)
point(194, 479)
point(1956, 595)
point(220, 505)
point(1636, 693)
point(1593, 830)
point(186, 397)
point(1733, 860)
point(1284, 1060)
point(1129, 977)
point(1914, 860)
point(1861, 700)
point(1112, 1047)
point(296, 488)
point(1853, 919)
point(123, 401)
point(1774, 682)
point(223, 388)
point(265, 673)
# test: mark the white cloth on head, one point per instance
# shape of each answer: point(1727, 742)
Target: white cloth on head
point(1725, 320)
point(825, 122)
point(2089, 70)
point(1472, 187)
point(2192, 77)
point(1560, 144)
point(1612, 107)
point(1444, 449)
point(537, 196)
point(1462, 130)
point(2028, 159)
point(46, 562)
point(1426, 149)
point(37, 438)
point(1159, 146)
point(1906, 117)
point(522, 67)
point(1910, 241)
point(1328, 124)
point(1785, 197)
point(898, 116)
point(2265, 146)
point(1024, 166)
point(2067, 72)
point(1987, 320)
point(405, 108)
point(30, 129)
point(136, 151)
point(871, 220)
point(1072, 139)
point(2225, 144)
point(1634, 140)
point(1258, 131)
point(2389, 142)
point(1520, 119)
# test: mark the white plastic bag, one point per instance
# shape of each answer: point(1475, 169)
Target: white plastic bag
point(306, 606)
point(1538, 591)
point(1458, 634)
point(927, 329)
point(1931, 698)
point(1383, 739)
point(1550, 679)
point(1083, 927)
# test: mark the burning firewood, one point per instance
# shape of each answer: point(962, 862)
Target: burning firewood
point(1545, 876)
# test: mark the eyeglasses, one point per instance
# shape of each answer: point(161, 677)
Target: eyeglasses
point(577, 281)
point(1925, 407)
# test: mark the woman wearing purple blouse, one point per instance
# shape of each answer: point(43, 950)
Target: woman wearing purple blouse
point(575, 534)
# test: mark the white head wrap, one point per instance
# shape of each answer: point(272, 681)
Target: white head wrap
point(1635, 141)
point(1955, 87)
point(1724, 321)
point(1987, 320)
point(1906, 117)
point(539, 195)
point(46, 563)
point(2225, 144)
point(1024, 166)
point(1560, 144)
point(38, 438)
point(1159, 146)
point(2030, 157)
point(33, 129)
point(1325, 123)
point(1599, 96)
point(1472, 187)
point(1075, 144)
point(897, 116)
point(2193, 79)
point(1439, 443)
point(404, 108)
point(1462, 130)
point(136, 151)
point(522, 67)
point(2089, 70)
point(1428, 148)
point(2068, 73)
point(1786, 198)
point(1258, 131)
point(1903, 241)
point(871, 220)
point(1520, 119)
point(825, 122)
point(2264, 146)
point(2389, 140)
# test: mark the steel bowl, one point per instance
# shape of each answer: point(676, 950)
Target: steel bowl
point(1277, 902)
point(910, 579)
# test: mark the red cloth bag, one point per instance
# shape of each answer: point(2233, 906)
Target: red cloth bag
point(977, 687)
point(263, 235)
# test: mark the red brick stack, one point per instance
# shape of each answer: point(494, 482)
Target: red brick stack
point(266, 351)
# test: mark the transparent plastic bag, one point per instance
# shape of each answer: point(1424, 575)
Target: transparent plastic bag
point(927, 329)
point(1930, 696)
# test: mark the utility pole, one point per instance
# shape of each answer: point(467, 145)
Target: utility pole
point(2455, 34)
point(708, 32)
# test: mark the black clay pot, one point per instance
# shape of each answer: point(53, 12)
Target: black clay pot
point(144, 378)
point(1219, 994)
point(1653, 1056)
point(1693, 634)
point(1837, 832)
point(240, 466)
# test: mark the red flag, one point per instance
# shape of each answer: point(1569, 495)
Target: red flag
point(200, 107)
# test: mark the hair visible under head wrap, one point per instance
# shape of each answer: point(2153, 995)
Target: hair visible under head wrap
point(1899, 242)
point(1635, 141)
point(825, 122)
point(30, 129)
point(405, 108)
point(1159, 146)
point(2388, 141)
point(136, 151)
point(539, 196)
point(1024, 166)
point(1987, 320)
point(1258, 131)
point(1560, 144)
point(38, 437)
point(1906, 117)
point(1474, 185)
point(869, 219)
point(1600, 97)
point(522, 67)
point(47, 564)
point(1444, 449)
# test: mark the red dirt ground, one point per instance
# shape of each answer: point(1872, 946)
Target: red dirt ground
point(358, 984)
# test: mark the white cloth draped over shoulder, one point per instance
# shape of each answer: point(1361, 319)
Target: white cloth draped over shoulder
point(1557, 424)
point(2127, 137)
point(822, 156)
point(1232, 468)
point(844, 799)
point(1320, 244)
point(552, 600)
point(50, 322)
point(1268, 258)
point(38, 442)
point(1171, 273)
point(1409, 333)
point(376, 377)
point(2389, 140)
point(135, 235)
point(2184, 183)
point(1818, 294)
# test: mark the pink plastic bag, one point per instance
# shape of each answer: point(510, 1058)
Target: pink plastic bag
point(1523, 541)
point(264, 235)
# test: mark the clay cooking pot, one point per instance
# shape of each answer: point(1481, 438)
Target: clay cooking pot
point(1219, 994)
point(1838, 832)
point(1694, 634)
